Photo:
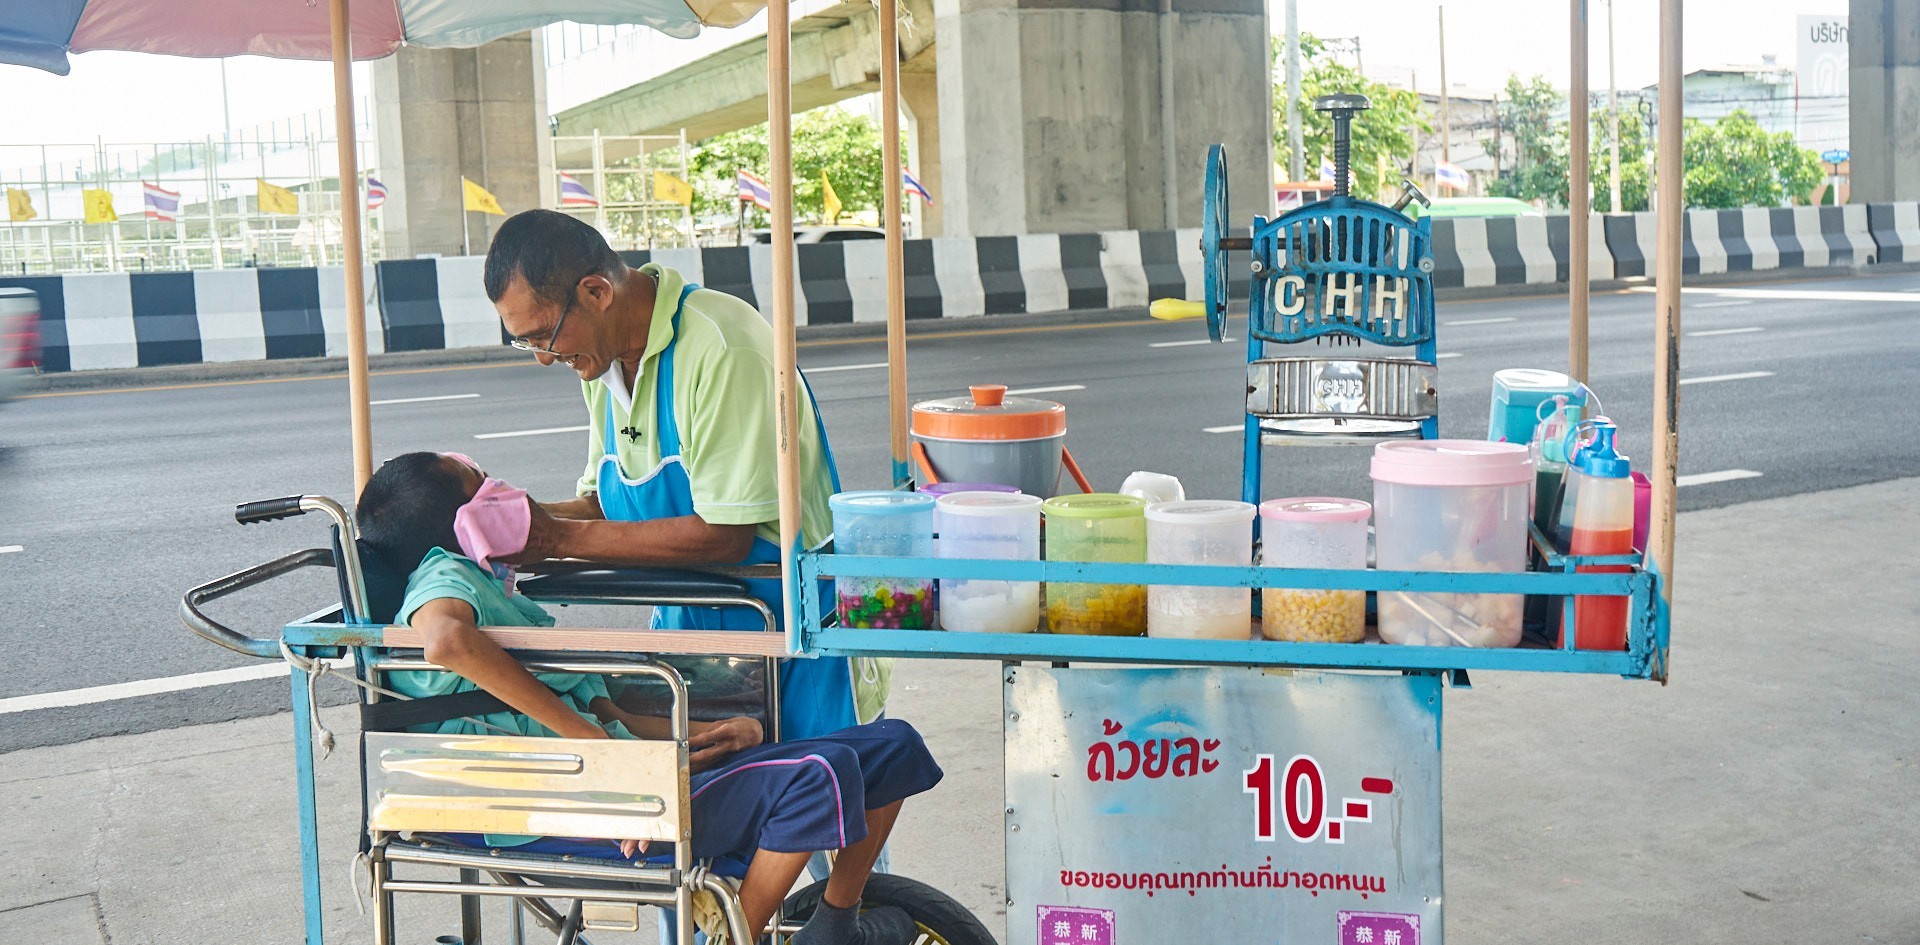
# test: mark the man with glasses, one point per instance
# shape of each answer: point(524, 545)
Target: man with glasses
point(678, 383)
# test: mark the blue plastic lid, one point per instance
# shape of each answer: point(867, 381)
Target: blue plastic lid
point(881, 502)
point(1598, 458)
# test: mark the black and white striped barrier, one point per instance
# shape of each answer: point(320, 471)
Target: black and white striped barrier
point(109, 321)
point(98, 321)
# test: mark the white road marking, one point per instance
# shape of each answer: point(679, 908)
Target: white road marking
point(1063, 388)
point(1724, 475)
point(543, 432)
point(144, 687)
point(1715, 378)
point(1182, 344)
point(11, 549)
point(1236, 428)
point(1805, 295)
point(1723, 331)
point(1723, 304)
point(1442, 356)
point(844, 367)
point(421, 400)
point(1478, 321)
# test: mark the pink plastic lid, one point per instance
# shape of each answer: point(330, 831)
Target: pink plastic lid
point(1452, 463)
point(1315, 508)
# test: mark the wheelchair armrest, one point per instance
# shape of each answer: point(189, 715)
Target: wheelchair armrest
point(632, 585)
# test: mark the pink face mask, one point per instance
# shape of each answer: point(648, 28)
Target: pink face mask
point(467, 460)
point(493, 524)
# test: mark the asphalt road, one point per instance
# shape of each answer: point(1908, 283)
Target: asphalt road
point(118, 501)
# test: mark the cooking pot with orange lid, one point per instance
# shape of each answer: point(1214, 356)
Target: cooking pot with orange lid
point(990, 437)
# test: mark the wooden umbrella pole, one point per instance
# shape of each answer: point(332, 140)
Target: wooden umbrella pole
point(896, 249)
point(786, 407)
point(343, 127)
point(1579, 197)
point(1666, 361)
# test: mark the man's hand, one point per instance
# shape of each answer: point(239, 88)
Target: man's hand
point(720, 739)
point(546, 536)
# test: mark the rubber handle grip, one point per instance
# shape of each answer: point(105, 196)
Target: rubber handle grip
point(266, 510)
point(1176, 310)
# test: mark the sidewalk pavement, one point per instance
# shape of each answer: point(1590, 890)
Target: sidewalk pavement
point(1766, 796)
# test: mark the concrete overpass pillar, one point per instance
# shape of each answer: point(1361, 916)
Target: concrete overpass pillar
point(1050, 112)
point(1883, 54)
point(447, 113)
point(920, 96)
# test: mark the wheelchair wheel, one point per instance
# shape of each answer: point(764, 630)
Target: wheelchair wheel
point(942, 920)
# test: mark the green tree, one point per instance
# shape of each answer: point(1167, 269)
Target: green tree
point(1636, 175)
point(1382, 133)
point(1735, 163)
point(843, 144)
point(1539, 170)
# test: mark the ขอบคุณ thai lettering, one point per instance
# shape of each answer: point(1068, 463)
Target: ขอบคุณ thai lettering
point(1191, 881)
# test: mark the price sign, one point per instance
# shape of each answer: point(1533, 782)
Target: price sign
point(1236, 805)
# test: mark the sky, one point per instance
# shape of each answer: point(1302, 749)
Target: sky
point(127, 97)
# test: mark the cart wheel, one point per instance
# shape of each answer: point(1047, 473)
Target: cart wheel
point(942, 920)
point(1213, 229)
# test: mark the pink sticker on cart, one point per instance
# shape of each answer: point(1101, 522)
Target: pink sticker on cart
point(1379, 928)
point(1073, 925)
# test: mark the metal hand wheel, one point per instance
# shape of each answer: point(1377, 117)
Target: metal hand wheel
point(1215, 244)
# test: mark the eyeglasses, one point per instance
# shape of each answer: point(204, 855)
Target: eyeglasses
point(552, 336)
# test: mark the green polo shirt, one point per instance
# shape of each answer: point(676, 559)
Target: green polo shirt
point(723, 403)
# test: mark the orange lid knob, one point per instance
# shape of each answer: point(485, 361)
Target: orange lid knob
point(987, 395)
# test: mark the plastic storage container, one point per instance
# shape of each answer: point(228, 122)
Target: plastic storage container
point(939, 489)
point(1100, 527)
point(1314, 532)
point(990, 437)
point(1517, 396)
point(1199, 532)
point(1450, 505)
point(989, 525)
point(892, 524)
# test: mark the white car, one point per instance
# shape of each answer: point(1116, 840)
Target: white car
point(825, 234)
point(19, 339)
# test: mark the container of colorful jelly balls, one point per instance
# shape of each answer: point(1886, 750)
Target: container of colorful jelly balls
point(886, 604)
point(891, 524)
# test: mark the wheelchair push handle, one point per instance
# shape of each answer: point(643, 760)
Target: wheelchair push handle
point(266, 510)
point(217, 632)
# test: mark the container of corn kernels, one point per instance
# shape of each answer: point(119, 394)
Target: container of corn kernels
point(1313, 532)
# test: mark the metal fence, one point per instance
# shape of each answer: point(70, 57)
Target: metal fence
point(617, 173)
point(218, 223)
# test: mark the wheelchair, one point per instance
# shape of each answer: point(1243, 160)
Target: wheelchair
point(430, 801)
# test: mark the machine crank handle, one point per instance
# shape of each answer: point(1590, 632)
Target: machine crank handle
point(1176, 310)
point(1410, 192)
point(217, 632)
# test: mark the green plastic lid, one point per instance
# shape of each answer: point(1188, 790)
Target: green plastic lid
point(1095, 505)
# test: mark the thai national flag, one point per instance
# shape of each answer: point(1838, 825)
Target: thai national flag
point(162, 204)
point(575, 194)
point(915, 187)
point(753, 190)
point(1451, 175)
point(376, 194)
point(1326, 170)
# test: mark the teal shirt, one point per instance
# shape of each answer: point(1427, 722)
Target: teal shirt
point(445, 574)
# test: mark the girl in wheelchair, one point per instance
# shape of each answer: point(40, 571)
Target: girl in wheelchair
point(773, 804)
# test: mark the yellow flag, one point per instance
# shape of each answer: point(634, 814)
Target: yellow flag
point(830, 199)
point(99, 204)
point(672, 189)
point(19, 206)
point(276, 199)
point(478, 200)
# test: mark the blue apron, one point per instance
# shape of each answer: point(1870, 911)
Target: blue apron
point(816, 695)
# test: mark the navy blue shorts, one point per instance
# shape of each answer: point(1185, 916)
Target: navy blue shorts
point(811, 794)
